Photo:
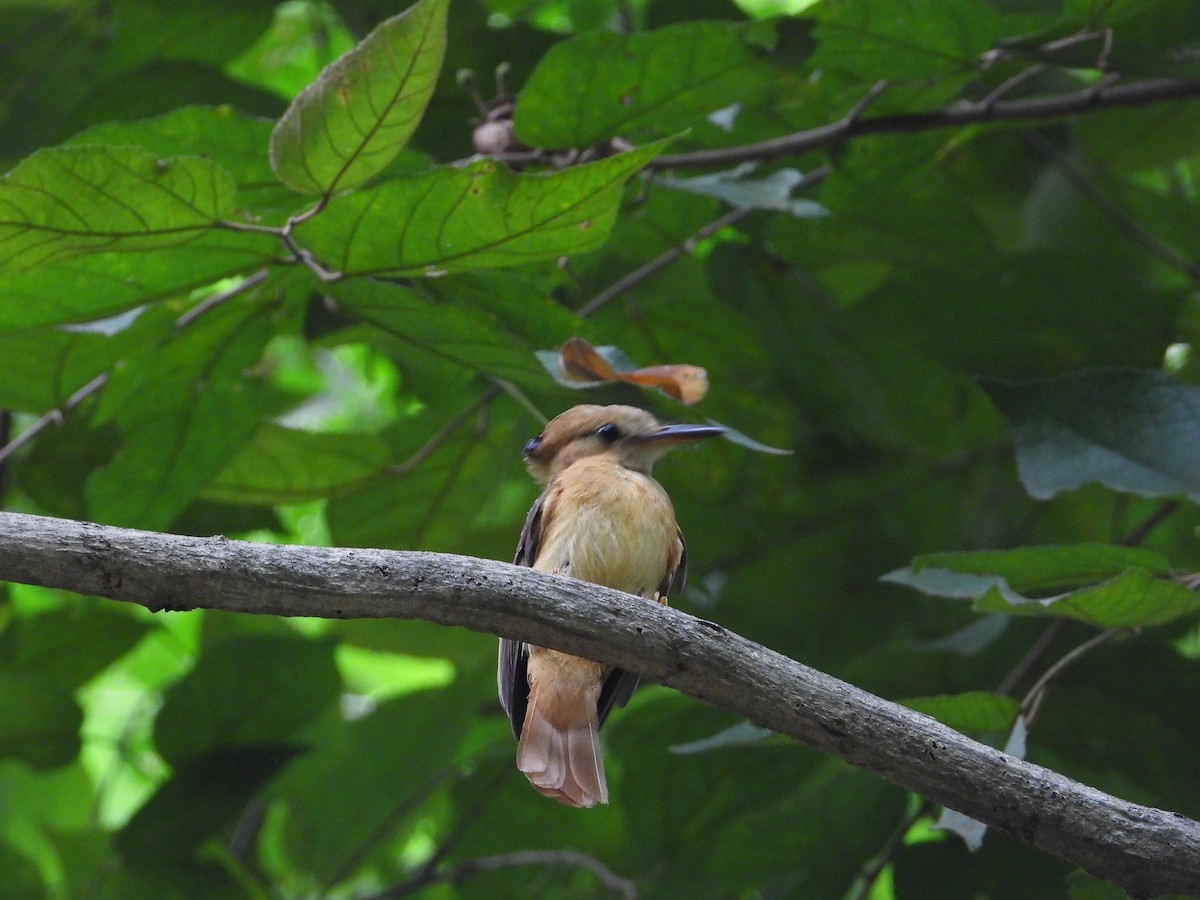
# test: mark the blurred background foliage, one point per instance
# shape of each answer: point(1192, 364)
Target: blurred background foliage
point(210, 755)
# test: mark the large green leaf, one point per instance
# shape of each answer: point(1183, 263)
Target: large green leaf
point(352, 121)
point(285, 465)
point(40, 369)
point(480, 216)
point(70, 201)
point(1136, 431)
point(101, 285)
point(69, 646)
point(232, 139)
point(640, 86)
point(39, 721)
point(970, 711)
point(1121, 586)
point(205, 795)
point(1047, 568)
point(466, 334)
point(906, 39)
point(183, 408)
point(452, 502)
point(21, 879)
point(366, 779)
point(244, 691)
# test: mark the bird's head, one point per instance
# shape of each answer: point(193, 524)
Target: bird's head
point(628, 435)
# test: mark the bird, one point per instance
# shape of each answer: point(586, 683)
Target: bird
point(602, 518)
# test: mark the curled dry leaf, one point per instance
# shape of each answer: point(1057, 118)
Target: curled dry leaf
point(579, 364)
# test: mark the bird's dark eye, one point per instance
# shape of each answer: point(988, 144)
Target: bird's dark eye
point(531, 446)
point(608, 432)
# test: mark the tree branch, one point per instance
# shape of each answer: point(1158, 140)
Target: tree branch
point(1094, 97)
point(1144, 850)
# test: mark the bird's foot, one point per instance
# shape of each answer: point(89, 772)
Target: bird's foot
point(661, 598)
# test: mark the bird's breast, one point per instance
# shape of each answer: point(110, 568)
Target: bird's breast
point(611, 526)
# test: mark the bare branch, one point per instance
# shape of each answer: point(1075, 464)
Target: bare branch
point(1033, 699)
point(221, 297)
point(561, 858)
point(1102, 95)
point(57, 415)
point(665, 259)
point(1111, 211)
point(1146, 851)
point(660, 262)
point(443, 434)
point(54, 416)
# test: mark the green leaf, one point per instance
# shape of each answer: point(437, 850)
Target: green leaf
point(40, 369)
point(971, 711)
point(740, 735)
point(459, 499)
point(352, 121)
point(1132, 597)
point(205, 795)
point(903, 39)
point(39, 722)
point(465, 334)
point(773, 191)
point(364, 780)
point(183, 409)
point(232, 139)
point(100, 285)
point(244, 691)
point(639, 86)
point(71, 645)
point(21, 880)
point(1047, 568)
point(66, 202)
point(285, 465)
point(480, 216)
point(1136, 431)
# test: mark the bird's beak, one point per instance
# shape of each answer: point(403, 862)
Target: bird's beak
point(670, 435)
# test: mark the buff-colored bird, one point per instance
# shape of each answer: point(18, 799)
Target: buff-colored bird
point(600, 518)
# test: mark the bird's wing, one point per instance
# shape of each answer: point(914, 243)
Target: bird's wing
point(675, 581)
point(512, 678)
point(620, 685)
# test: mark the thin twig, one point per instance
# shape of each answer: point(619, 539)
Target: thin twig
point(1165, 510)
point(873, 868)
point(385, 827)
point(1033, 699)
point(1031, 657)
point(559, 858)
point(490, 393)
point(1058, 626)
point(217, 299)
point(1114, 213)
point(57, 415)
point(54, 416)
point(6, 421)
point(1088, 99)
point(662, 261)
point(1009, 85)
point(428, 873)
point(522, 398)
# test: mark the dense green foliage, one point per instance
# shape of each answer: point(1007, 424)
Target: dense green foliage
point(309, 324)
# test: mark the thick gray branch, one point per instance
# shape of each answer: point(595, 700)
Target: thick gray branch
point(1147, 851)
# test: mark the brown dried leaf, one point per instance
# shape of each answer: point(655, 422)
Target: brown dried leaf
point(687, 384)
point(580, 364)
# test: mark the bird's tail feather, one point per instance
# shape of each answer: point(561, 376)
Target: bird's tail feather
point(559, 751)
